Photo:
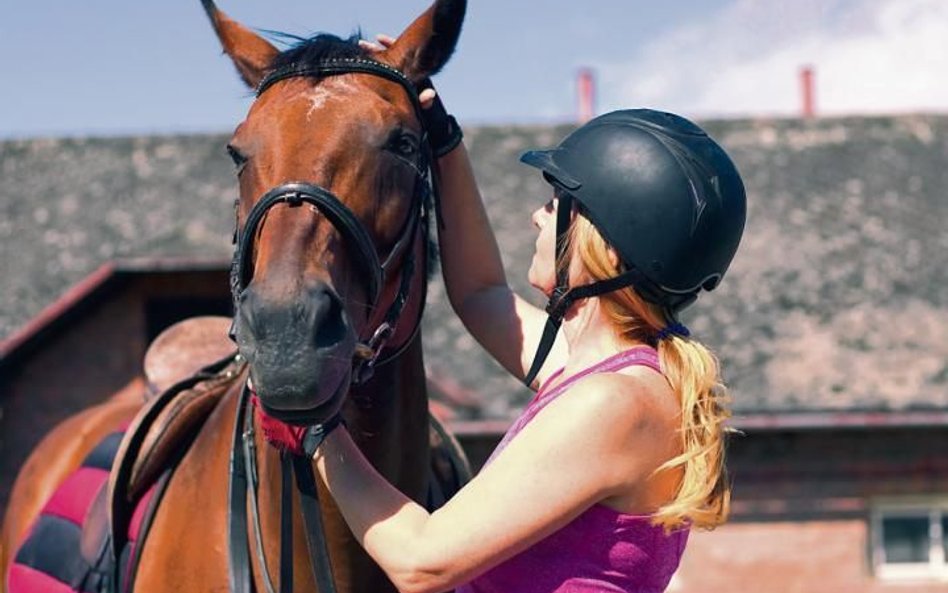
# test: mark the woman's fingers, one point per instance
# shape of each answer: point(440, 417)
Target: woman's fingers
point(382, 42)
point(385, 40)
point(427, 97)
point(368, 45)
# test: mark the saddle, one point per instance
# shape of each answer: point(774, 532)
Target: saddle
point(188, 369)
point(185, 348)
point(88, 535)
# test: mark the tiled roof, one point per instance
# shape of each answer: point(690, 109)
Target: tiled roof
point(836, 300)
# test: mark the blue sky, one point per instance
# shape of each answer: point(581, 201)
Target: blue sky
point(130, 67)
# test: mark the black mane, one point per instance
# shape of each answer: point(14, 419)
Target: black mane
point(323, 46)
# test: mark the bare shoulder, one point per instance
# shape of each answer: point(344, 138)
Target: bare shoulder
point(620, 426)
point(607, 413)
point(631, 397)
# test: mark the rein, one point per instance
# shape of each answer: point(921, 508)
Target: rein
point(244, 479)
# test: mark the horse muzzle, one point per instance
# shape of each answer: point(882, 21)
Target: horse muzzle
point(300, 351)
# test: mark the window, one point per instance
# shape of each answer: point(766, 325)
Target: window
point(909, 541)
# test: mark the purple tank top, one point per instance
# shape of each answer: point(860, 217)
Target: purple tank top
point(601, 550)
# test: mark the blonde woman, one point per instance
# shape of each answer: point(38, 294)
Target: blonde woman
point(621, 452)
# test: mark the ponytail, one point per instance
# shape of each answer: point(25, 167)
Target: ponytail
point(702, 498)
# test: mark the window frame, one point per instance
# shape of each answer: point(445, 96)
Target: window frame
point(936, 568)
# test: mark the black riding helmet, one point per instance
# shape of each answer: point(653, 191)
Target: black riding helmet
point(664, 195)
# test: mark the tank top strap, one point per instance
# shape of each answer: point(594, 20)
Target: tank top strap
point(637, 356)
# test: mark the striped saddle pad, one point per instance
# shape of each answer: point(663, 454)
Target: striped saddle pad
point(51, 558)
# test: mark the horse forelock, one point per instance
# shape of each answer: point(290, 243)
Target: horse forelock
point(320, 47)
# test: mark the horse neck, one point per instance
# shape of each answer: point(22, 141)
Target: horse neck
point(388, 419)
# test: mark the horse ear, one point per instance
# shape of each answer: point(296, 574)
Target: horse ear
point(427, 44)
point(251, 54)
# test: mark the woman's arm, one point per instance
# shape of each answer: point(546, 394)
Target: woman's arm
point(505, 324)
point(595, 442)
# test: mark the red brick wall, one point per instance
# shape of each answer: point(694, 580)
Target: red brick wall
point(786, 557)
point(801, 507)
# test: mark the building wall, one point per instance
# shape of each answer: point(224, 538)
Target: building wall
point(802, 503)
point(97, 354)
point(834, 474)
point(786, 557)
point(83, 366)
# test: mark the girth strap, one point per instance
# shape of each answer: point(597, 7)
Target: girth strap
point(286, 524)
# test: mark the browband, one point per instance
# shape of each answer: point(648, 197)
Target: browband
point(337, 66)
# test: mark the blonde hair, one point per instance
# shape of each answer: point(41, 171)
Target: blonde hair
point(702, 498)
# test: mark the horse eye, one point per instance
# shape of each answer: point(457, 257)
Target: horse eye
point(235, 155)
point(405, 146)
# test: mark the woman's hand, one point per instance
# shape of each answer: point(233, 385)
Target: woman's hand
point(383, 42)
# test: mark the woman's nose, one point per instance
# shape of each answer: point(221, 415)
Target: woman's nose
point(539, 217)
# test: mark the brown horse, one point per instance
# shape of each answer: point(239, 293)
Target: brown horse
point(329, 282)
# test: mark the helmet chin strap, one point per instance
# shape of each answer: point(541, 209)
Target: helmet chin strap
point(559, 301)
point(563, 297)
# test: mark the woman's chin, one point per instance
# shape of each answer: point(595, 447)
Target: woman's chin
point(534, 282)
point(545, 287)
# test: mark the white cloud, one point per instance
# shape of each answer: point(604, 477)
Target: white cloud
point(869, 56)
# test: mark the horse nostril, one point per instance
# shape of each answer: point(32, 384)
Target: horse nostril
point(326, 316)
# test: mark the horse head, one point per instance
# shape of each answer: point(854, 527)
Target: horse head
point(332, 163)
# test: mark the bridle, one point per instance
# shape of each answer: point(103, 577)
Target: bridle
point(375, 270)
point(243, 464)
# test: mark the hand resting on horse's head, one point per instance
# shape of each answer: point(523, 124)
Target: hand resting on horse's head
point(444, 133)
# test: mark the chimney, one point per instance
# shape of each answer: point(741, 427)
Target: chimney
point(807, 90)
point(586, 94)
